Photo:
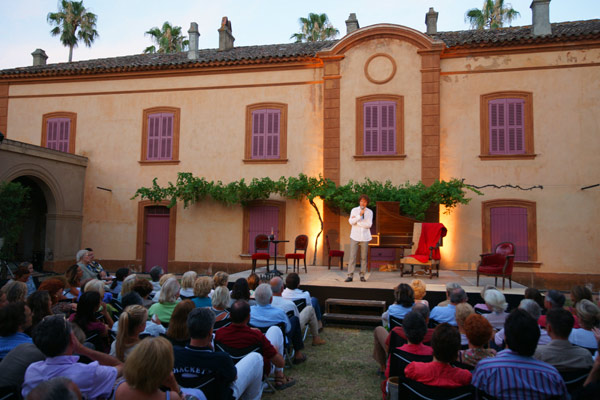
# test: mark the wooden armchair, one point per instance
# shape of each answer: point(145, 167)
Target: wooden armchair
point(426, 250)
point(499, 263)
point(300, 244)
point(261, 251)
point(334, 253)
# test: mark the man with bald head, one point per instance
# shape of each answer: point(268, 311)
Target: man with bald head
point(307, 316)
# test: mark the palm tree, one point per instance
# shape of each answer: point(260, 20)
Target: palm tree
point(493, 15)
point(168, 39)
point(73, 23)
point(315, 28)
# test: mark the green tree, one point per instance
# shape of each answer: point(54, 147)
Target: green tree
point(315, 28)
point(73, 23)
point(168, 39)
point(14, 207)
point(493, 15)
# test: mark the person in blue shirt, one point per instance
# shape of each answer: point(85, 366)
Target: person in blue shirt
point(447, 313)
point(263, 314)
point(15, 318)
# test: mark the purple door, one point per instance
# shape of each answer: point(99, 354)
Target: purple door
point(157, 238)
point(263, 220)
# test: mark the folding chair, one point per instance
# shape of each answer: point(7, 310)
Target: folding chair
point(412, 390)
point(394, 322)
point(288, 349)
point(237, 354)
point(574, 378)
point(290, 314)
point(300, 303)
point(399, 359)
point(12, 392)
point(221, 324)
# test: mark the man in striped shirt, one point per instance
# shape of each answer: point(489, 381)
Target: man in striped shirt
point(514, 373)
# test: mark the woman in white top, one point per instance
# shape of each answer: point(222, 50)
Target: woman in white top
point(187, 285)
point(496, 303)
point(132, 322)
point(588, 315)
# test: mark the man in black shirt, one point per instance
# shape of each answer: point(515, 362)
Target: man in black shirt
point(198, 363)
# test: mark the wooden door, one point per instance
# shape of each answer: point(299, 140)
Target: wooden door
point(157, 238)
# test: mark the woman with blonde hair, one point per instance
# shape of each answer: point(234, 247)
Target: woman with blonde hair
point(463, 311)
point(202, 288)
point(132, 323)
point(220, 301)
point(15, 291)
point(161, 282)
point(221, 278)
point(149, 366)
point(420, 290)
point(167, 301)
point(482, 308)
point(178, 333)
point(127, 286)
point(496, 303)
point(187, 285)
point(588, 315)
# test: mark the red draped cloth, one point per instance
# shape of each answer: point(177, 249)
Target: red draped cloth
point(430, 236)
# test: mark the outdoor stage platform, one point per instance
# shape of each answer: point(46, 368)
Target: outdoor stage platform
point(324, 284)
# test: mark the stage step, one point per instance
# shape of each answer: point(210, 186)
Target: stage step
point(353, 312)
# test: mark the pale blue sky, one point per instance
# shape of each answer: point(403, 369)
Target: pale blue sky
point(122, 23)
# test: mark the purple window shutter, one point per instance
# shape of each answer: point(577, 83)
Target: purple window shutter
point(497, 126)
point(258, 134)
point(57, 134)
point(509, 224)
point(516, 126)
point(261, 220)
point(272, 133)
point(166, 137)
point(371, 127)
point(388, 127)
point(153, 137)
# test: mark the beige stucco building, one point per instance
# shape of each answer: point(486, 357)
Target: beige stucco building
point(437, 91)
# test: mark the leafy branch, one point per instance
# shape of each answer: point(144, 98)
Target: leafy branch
point(414, 199)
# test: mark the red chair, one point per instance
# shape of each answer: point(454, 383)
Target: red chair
point(498, 263)
point(334, 253)
point(261, 251)
point(301, 243)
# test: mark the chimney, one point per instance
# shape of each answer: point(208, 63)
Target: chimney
point(39, 57)
point(431, 21)
point(226, 39)
point(194, 35)
point(540, 12)
point(351, 24)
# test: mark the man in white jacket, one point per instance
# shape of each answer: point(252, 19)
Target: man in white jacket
point(361, 219)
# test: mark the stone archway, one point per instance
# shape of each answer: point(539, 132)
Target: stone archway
point(58, 180)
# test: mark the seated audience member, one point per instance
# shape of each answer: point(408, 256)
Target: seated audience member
point(117, 283)
point(535, 295)
point(53, 336)
point(220, 302)
point(415, 328)
point(588, 315)
point(15, 291)
point(221, 278)
point(202, 287)
point(73, 275)
point(382, 337)
point(127, 286)
point(532, 309)
point(144, 288)
point(241, 291)
point(167, 301)
point(450, 286)
point(447, 313)
point(163, 279)
point(95, 265)
point(15, 319)
point(40, 305)
point(22, 274)
point(553, 299)
point(514, 373)
point(132, 323)
point(155, 273)
point(482, 308)
point(178, 333)
point(15, 363)
point(404, 299)
point(439, 372)
point(463, 310)
point(479, 332)
point(253, 282)
point(263, 314)
point(149, 366)
point(84, 260)
point(59, 388)
point(32, 282)
point(307, 316)
point(187, 285)
point(496, 303)
point(152, 328)
point(239, 335)
point(240, 381)
point(560, 352)
point(85, 318)
point(579, 293)
point(55, 288)
point(291, 292)
point(420, 290)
